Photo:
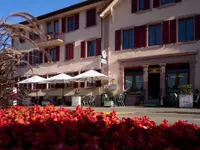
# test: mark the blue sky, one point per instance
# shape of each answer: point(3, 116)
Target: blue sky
point(34, 7)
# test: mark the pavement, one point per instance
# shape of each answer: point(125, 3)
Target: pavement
point(156, 114)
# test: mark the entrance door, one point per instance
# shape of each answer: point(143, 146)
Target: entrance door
point(154, 86)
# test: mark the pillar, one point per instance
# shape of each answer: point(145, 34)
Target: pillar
point(162, 79)
point(192, 74)
point(121, 84)
point(145, 82)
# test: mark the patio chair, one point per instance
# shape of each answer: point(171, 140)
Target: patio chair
point(85, 101)
point(120, 99)
point(196, 99)
point(91, 100)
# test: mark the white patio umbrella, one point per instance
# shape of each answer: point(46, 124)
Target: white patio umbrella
point(90, 76)
point(61, 78)
point(33, 80)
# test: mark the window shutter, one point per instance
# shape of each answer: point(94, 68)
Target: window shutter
point(118, 40)
point(173, 31)
point(98, 83)
point(156, 3)
point(143, 35)
point(45, 58)
point(137, 37)
point(197, 27)
point(66, 52)
point(63, 25)
point(30, 58)
point(91, 17)
point(77, 22)
point(83, 49)
point(165, 32)
point(57, 53)
point(82, 84)
point(146, 4)
point(72, 51)
point(134, 6)
point(177, 1)
point(75, 83)
point(41, 57)
point(98, 47)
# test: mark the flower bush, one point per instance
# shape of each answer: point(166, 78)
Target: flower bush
point(49, 128)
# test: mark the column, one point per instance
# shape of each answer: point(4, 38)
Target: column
point(145, 82)
point(192, 74)
point(121, 81)
point(162, 79)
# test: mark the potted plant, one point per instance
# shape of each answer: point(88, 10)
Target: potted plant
point(108, 101)
point(186, 96)
point(76, 99)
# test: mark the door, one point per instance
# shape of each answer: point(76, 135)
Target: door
point(154, 86)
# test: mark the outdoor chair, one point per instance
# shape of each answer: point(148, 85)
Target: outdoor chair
point(85, 101)
point(196, 99)
point(91, 100)
point(120, 99)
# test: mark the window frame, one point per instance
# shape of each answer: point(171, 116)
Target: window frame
point(122, 40)
point(53, 49)
point(95, 23)
point(36, 55)
point(185, 29)
point(155, 37)
point(139, 2)
point(167, 2)
point(91, 41)
point(49, 32)
point(73, 18)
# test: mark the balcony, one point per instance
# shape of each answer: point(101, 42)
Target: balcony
point(53, 39)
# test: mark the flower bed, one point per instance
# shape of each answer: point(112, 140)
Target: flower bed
point(49, 128)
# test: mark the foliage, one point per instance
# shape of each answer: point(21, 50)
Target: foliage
point(186, 89)
point(109, 96)
point(10, 56)
point(50, 128)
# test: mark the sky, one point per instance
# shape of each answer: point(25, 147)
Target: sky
point(34, 7)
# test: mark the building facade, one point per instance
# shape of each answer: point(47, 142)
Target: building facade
point(152, 45)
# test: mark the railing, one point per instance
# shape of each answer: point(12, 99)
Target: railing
point(49, 37)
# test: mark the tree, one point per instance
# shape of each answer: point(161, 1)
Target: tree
point(10, 56)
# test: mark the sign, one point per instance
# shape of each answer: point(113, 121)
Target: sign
point(104, 54)
point(103, 61)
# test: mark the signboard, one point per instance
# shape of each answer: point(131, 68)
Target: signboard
point(103, 61)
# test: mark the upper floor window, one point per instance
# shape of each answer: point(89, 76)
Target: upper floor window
point(49, 28)
point(36, 58)
point(186, 30)
point(71, 24)
point(56, 27)
point(91, 48)
point(91, 17)
point(164, 2)
point(155, 35)
point(52, 53)
point(128, 39)
point(141, 5)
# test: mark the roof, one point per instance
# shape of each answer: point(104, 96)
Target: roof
point(108, 7)
point(66, 9)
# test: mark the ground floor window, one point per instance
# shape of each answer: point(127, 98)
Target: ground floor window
point(177, 78)
point(133, 80)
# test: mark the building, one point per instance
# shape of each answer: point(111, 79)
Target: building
point(152, 45)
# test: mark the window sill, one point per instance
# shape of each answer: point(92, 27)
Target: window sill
point(166, 5)
point(91, 26)
point(189, 42)
point(153, 47)
point(92, 57)
point(143, 11)
point(67, 60)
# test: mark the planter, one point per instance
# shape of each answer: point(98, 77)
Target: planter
point(76, 101)
point(108, 103)
point(186, 101)
point(12, 102)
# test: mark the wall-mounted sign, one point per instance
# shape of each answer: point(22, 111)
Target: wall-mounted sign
point(154, 70)
point(104, 57)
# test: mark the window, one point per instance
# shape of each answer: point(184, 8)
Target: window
point(34, 36)
point(71, 24)
point(49, 28)
point(155, 35)
point(177, 79)
point(134, 82)
point(164, 2)
point(128, 39)
point(91, 48)
point(141, 5)
point(56, 29)
point(186, 30)
point(52, 53)
point(36, 57)
point(91, 17)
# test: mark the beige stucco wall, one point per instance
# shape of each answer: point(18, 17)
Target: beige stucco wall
point(82, 34)
point(123, 18)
